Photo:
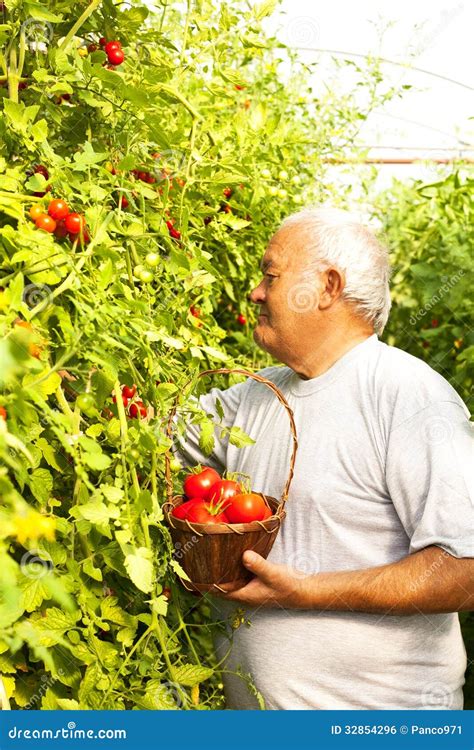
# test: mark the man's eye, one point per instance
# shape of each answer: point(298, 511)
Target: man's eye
point(270, 276)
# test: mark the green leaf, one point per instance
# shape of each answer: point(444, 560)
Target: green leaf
point(140, 569)
point(191, 674)
point(264, 9)
point(41, 484)
point(91, 571)
point(55, 623)
point(48, 452)
point(35, 10)
point(219, 408)
point(239, 438)
point(206, 436)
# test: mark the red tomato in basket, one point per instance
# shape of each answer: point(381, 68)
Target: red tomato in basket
point(224, 490)
point(201, 512)
point(268, 513)
point(199, 485)
point(181, 511)
point(245, 508)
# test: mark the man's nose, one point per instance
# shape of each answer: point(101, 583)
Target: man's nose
point(257, 295)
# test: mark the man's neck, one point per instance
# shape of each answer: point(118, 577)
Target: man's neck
point(320, 359)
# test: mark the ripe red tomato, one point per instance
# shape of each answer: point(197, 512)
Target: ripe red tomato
point(3, 413)
point(202, 512)
point(195, 311)
point(268, 513)
point(102, 41)
point(39, 169)
point(74, 223)
point(36, 211)
point(245, 508)
point(116, 56)
point(224, 490)
point(129, 390)
point(241, 319)
point(46, 223)
point(58, 209)
point(137, 409)
point(199, 485)
point(110, 46)
point(228, 192)
point(181, 511)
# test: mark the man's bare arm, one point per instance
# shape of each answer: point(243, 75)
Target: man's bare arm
point(429, 581)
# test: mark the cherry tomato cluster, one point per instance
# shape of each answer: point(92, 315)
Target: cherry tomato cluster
point(60, 220)
point(144, 176)
point(212, 499)
point(113, 50)
point(136, 407)
point(175, 233)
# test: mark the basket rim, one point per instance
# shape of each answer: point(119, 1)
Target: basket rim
point(269, 525)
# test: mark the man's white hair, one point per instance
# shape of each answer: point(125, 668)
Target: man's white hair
point(338, 238)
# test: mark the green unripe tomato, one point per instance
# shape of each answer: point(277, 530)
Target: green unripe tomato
point(152, 259)
point(175, 465)
point(272, 190)
point(266, 174)
point(283, 174)
point(282, 193)
point(135, 454)
point(298, 199)
point(146, 276)
point(137, 270)
point(296, 179)
point(86, 403)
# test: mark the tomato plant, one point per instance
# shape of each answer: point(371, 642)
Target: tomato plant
point(142, 153)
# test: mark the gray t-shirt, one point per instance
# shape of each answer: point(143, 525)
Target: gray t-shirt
point(384, 468)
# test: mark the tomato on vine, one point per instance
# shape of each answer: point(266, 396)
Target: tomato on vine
point(58, 209)
point(74, 223)
point(116, 56)
point(36, 211)
point(46, 223)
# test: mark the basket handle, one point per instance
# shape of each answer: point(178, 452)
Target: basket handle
point(260, 379)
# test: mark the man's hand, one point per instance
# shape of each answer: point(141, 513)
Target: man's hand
point(274, 585)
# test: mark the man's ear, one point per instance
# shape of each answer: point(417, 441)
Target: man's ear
point(333, 282)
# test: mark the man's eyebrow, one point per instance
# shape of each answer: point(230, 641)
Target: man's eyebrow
point(265, 264)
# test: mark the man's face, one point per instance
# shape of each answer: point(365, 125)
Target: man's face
point(288, 295)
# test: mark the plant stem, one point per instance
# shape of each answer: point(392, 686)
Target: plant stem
point(72, 31)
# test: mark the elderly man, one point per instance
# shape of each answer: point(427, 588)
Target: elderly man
point(356, 605)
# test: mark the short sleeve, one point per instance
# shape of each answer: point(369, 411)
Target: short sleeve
point(430, 478)
point(186, 447)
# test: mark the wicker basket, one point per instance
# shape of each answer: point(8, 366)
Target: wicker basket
point(211, 554)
